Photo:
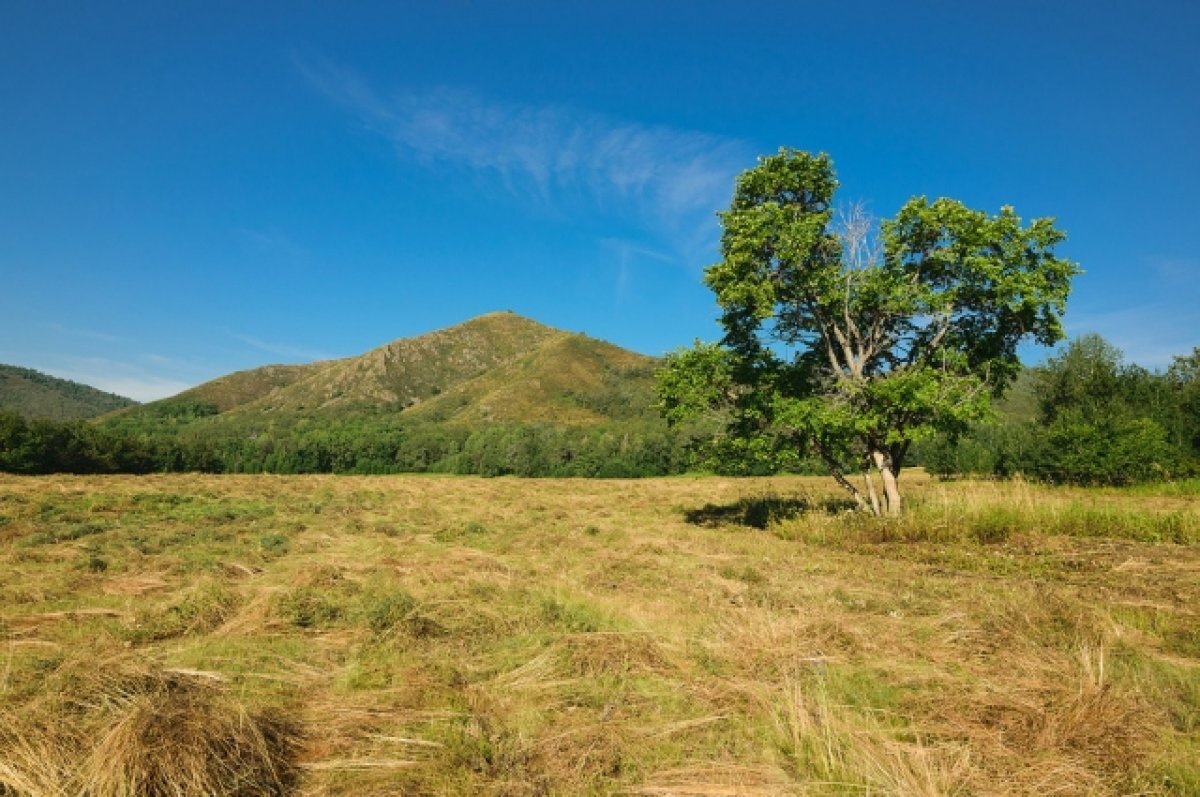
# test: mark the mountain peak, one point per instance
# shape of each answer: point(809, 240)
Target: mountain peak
point(496, 366)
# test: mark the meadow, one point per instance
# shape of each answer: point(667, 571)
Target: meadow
point(338, 635)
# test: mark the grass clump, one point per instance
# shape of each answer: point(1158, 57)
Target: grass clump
point(395, 611)
point(837, 749)
point(385, 612)
point(134, 728)
point(572, 614)
point(197, 611)
point(309, 607)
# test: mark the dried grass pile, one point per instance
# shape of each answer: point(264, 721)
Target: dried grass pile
point(139, 730)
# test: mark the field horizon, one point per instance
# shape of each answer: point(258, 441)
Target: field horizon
point(671, 636)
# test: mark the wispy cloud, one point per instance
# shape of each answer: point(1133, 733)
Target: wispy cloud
point(1176, 273)
point(89, 334)
point(162, 360)
point(666, 180)
point(123, 378)
point(143, 389)
point(630, 254)
point(272, 241)
point(1158, 323)
point(282, 349)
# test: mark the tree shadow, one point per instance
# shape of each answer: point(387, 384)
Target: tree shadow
point(760, 512)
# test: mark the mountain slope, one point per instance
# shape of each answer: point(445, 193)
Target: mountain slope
point(567, 379)
point(241, 387)
point(408, 371)
point(497, 367)
point(32, 394)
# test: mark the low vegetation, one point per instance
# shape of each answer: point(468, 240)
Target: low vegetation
point(320, 635)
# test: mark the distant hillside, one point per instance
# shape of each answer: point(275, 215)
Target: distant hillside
point(496, 395)
point(32, 394)
point(497, 367)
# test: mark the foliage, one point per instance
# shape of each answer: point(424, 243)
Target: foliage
point(858, 343)
point(1183, 382)
point(32, 394)
point(1098, 421)
point(349, 444)
point(1105, 422)
point(1105, 448)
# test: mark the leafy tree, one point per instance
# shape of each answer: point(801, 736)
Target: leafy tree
point(1085, 376)
point(1184, 379)
point(856, 341)
point(1104, 422)
point(1109, 448)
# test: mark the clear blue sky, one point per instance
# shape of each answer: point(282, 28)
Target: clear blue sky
point(188, 189)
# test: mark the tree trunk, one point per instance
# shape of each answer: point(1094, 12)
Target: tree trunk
point(871, 490)
point(891, 491)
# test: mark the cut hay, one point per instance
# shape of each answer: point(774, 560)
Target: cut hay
point(140, 731)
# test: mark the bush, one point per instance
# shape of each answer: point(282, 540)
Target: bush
point(1104, 451)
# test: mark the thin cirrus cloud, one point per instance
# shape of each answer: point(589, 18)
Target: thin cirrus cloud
point(1154, 331)
point(90, 334)
point(282, 349)
point(665, 180)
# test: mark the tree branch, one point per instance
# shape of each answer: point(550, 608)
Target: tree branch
point(836, 470)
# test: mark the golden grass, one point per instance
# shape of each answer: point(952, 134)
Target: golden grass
point(120, 728)
point(426, 635)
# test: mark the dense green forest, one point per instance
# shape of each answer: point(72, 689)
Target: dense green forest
point(1083, 417)
point(363, 444)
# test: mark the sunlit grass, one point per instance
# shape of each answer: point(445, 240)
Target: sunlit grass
point(706, 636)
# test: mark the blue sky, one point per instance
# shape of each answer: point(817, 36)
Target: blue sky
point(188, 189)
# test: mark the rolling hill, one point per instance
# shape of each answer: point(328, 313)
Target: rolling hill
point(497, 367)
point(32, 394)
point(499, 394)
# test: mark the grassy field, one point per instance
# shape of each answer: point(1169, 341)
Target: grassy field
point(180, 635)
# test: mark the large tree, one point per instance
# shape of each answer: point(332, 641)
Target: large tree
point(852, 340)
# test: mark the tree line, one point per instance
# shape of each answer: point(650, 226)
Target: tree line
point(365, 446)
point(866, 345)
point(1094, 420)
point(1083, 417)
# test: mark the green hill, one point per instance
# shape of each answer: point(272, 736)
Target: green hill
point(497, 367)
point(565, 379)
point(495, 395)
point(32, 394)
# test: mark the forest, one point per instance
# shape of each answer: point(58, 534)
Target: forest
point(1085, 416)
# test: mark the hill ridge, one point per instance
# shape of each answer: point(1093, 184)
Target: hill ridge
point(496, 366)
point(33, 394)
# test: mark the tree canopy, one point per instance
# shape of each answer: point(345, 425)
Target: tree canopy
point(853, 340)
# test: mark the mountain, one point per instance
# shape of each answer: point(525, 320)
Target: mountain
point(497, 367)
point(565, 379)
point(32, 394)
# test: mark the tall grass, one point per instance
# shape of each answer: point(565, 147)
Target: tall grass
point(995, 512)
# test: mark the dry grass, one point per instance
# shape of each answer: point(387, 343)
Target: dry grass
point(184, 635)
point(120, 728)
